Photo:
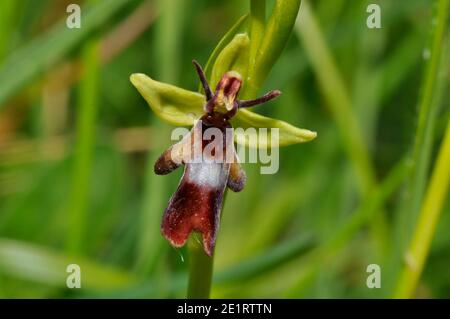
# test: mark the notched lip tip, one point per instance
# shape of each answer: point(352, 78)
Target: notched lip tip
point(208, 252)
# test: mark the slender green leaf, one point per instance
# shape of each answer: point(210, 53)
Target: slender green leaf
point(33, 58)
point(34, 263)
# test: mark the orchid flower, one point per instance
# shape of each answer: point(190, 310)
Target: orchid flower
point(197, 203)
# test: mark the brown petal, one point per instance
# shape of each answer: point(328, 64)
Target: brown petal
point(237, 177)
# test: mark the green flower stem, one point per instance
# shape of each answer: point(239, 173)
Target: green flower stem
point(200, 269)
point(426, 226)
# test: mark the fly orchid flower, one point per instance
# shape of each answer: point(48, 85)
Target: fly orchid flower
point(197, 203)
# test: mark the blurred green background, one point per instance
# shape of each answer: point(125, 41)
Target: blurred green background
point(78, 143)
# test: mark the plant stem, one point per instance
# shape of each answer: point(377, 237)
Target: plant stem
point(426, 226)
point(200, 270)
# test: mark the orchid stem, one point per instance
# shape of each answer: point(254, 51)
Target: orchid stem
point(200, 269)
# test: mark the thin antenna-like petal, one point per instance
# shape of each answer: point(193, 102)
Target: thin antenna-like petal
point(263, 99)
point(202, 76)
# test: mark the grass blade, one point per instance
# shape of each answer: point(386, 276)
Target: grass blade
point(426, 226)
point(86, 123)
point(34, 263)
point(29, 61)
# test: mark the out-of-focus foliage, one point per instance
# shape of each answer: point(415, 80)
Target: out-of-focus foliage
point(69, 116)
